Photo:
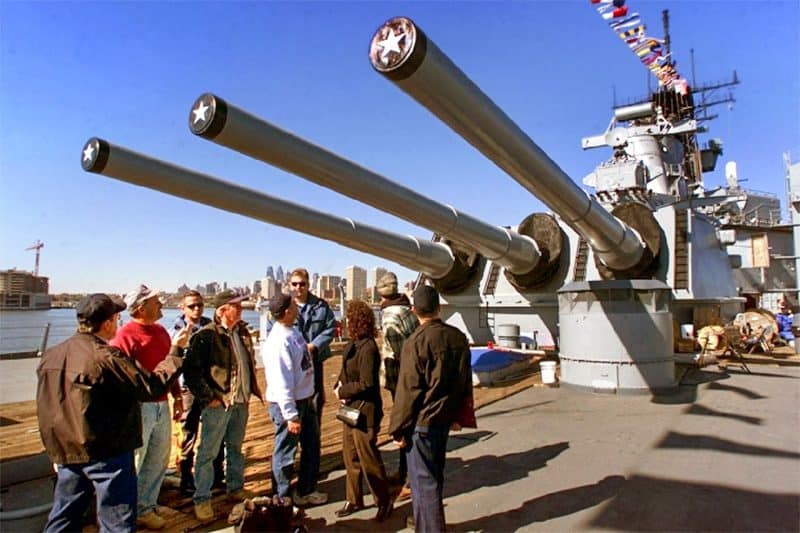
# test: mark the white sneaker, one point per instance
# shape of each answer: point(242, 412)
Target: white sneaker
point(312, 498)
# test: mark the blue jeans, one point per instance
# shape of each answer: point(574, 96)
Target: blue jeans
point(426, 456)
point(218, 424)
point(112, 479)
point(286, 445)
point(153, 456)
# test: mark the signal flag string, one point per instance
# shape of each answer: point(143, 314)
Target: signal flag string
point(649, 50)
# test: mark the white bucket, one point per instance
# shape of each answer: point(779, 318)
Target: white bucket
point(548, 369)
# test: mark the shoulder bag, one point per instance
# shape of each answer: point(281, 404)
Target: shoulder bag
point(350, 415)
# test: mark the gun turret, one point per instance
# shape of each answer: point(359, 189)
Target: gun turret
point(626, 244)
point(432, 258)
point(529, 259)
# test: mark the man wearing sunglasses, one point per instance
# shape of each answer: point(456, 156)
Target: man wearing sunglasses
point(317, 324)
point(192, 306)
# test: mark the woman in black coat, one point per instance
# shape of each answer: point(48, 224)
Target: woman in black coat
point(358, 387)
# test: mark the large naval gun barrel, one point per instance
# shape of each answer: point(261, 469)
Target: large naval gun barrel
point(404, 54)
point(432, 258)
point(215, 119)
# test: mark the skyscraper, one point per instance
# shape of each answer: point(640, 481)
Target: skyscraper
point(374, 275)
point(279, 273)
point(270, 273)
point(356, 282)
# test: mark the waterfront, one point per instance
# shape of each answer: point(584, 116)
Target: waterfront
point(22, 331)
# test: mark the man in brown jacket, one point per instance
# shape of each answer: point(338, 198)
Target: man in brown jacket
point(89, 418)
point(220, 372)
point(435, 381)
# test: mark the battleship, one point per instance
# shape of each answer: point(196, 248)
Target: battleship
point(603, 278)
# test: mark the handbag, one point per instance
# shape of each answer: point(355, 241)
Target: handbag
point(349, 415)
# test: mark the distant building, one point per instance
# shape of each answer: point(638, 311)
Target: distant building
point(256, 287)
point(212, 288)
point(279, 276)
point(372, 283)
point(356, 282)
point(371, 294)
point(269, 288)
point(183, 289)
point(374, 275)
point(327, 287)
point(270, 273)
point(23, 290)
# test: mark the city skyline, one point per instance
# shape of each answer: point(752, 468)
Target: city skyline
point(553, 67)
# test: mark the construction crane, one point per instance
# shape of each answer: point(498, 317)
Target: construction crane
point(38, 245)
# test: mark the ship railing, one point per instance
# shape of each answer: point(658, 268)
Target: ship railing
point(18, 342)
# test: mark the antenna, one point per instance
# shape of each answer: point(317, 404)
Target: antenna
point(38, 245)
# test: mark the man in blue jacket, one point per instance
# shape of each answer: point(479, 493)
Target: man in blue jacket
point(317, 324)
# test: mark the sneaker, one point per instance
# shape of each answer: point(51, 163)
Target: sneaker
point(312, 498)
point(150, 520)
point(204, 512)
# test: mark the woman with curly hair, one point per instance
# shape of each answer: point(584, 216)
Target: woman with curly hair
point(358, 387)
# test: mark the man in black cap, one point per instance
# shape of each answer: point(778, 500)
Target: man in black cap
point(89, 418)
point(434, 383)
point(220, 371)
point(289, 370)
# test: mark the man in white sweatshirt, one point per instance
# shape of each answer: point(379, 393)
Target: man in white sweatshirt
point(289, 370)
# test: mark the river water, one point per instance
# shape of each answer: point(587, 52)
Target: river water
point(22, 331)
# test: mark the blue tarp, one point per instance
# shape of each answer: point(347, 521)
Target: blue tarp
point(492, 359)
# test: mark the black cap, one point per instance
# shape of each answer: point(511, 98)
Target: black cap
point(279, 303)
point(97, 308)
point(426, 299)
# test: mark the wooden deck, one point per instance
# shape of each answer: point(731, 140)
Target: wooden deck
point(19, 438)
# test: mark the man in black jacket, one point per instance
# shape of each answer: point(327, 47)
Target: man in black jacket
point(89, 418)
point(220, 372)
point(434, 383)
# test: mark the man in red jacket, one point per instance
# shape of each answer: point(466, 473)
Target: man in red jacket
point(147, 341)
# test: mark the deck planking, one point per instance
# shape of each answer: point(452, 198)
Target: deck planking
point(19, 438)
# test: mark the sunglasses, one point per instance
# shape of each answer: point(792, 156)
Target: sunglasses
point(299, 284)
point(194, 306)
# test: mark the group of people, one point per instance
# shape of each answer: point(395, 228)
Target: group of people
point(105, 420)
point(423, 362)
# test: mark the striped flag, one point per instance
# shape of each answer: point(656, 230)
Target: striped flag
point(631, 29)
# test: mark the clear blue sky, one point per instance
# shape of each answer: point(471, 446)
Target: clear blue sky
point(129, 72)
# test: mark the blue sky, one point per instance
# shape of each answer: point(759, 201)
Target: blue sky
point(129, 72)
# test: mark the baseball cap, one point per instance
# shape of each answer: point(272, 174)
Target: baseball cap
point(137, 297)
point(229, 297)
point(97, 308)
point(279, 303)
point(426, 299)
